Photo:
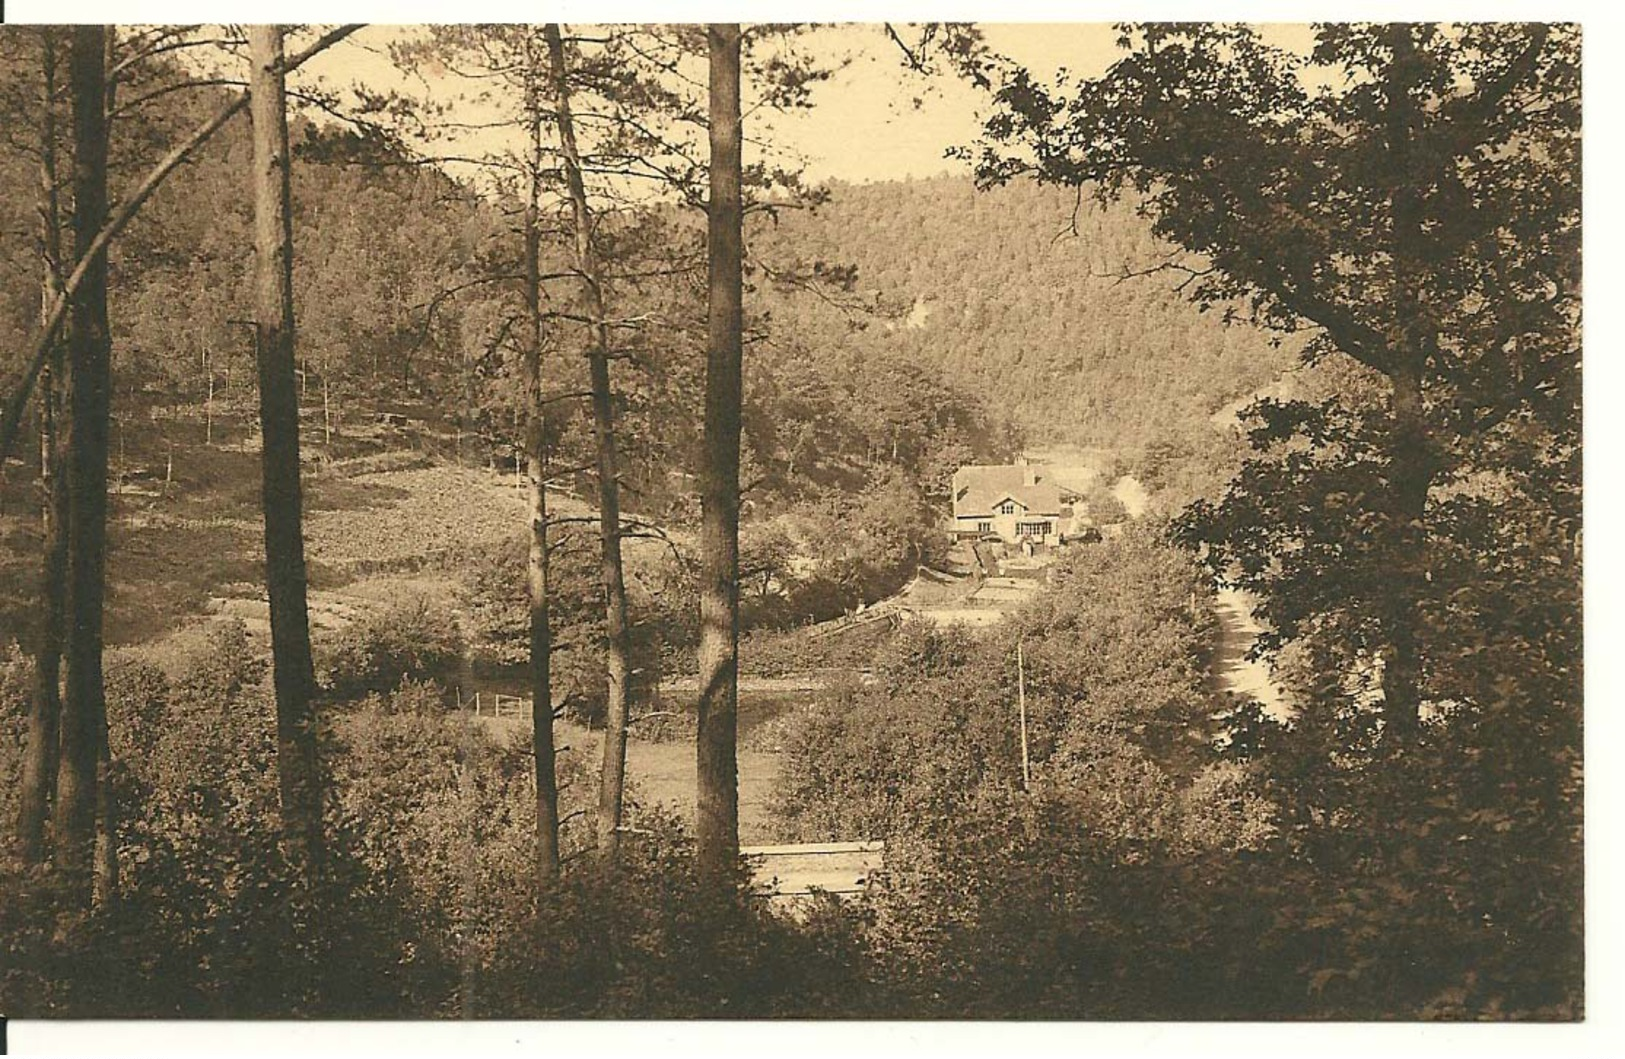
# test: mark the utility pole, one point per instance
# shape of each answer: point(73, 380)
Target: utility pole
point(1021, 699)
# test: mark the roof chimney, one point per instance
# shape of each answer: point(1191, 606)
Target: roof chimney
point(1029, 473)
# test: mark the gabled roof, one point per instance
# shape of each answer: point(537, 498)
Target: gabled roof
point(979, 488)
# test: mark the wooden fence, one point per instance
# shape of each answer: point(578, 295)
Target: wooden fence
point(494, 704)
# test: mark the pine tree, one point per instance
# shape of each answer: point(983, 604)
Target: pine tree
point(81, 771)
point(717, 821)
point(293, 669)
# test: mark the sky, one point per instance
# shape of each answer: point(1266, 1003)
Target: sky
point(864, 124)
point(873, 120)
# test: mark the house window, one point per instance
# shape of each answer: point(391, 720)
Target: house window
point(1032, 529)
point(984, 527)
point(1007, 508)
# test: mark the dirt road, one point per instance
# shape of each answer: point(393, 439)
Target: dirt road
point(1232, 671)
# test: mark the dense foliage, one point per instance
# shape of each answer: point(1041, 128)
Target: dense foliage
point(1148, 869)
point(425, 907)
point(405, 639)
point(1033, 302)
point(1413, 533)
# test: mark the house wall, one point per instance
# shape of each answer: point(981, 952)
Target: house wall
point(1005, 525)
point(966, 526)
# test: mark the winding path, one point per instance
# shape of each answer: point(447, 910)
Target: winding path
point(1232, 670)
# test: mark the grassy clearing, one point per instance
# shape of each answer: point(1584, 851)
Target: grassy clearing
point(395, 519)
point(200, 537)
point(663, 773)
point(374, 533)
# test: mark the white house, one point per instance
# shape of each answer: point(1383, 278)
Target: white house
point(1021, 503)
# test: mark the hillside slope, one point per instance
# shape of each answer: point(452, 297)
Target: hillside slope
point(1017, 295)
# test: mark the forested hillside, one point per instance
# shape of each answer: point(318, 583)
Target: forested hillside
point(898, 331)
point(183, 267)
point(1018, 295)
point(920, 322)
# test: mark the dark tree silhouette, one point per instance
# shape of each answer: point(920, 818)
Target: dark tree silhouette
point(536, 565)
point(84, 709)
point(717, 819)
point(39, 768)
point(292, 667)
point(617, 631)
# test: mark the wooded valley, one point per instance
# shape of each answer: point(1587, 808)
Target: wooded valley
point(455, 516)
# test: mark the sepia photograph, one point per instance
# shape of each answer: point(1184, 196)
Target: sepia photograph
point(868, 520)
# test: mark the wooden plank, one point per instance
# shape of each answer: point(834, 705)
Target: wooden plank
point(800, 869)
point(813, 848)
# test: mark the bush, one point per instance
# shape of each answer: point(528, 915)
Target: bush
point(1065, 895)
point(496, 599)
point(1149, 870)
point(427, 905)
point(787, 652)
point(441, 815)
point(407, 639)
point(210, 920)
point(16, 701)
point(379, 463)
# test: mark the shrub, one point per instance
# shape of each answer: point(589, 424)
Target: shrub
point(379, 463)
point(785, 652)
point(16, 699)
point(426, 905)
point(407, 639)
point(1065, 895)
point(210, 920)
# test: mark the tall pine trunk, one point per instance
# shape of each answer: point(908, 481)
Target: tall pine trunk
point(292, 670)
point(617, 636)
point(83, 732)
point(39, 767)
point(541, 633)
point(717, 819)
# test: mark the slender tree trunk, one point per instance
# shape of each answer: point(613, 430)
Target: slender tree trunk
point(541, 633)
point(106, 848)
point(1411, 455)
point(208, 401)
point(617, 650)
point(717, 819)
point(541, 677)
point(83, 733)
point(292, 669)
point(39, 767)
